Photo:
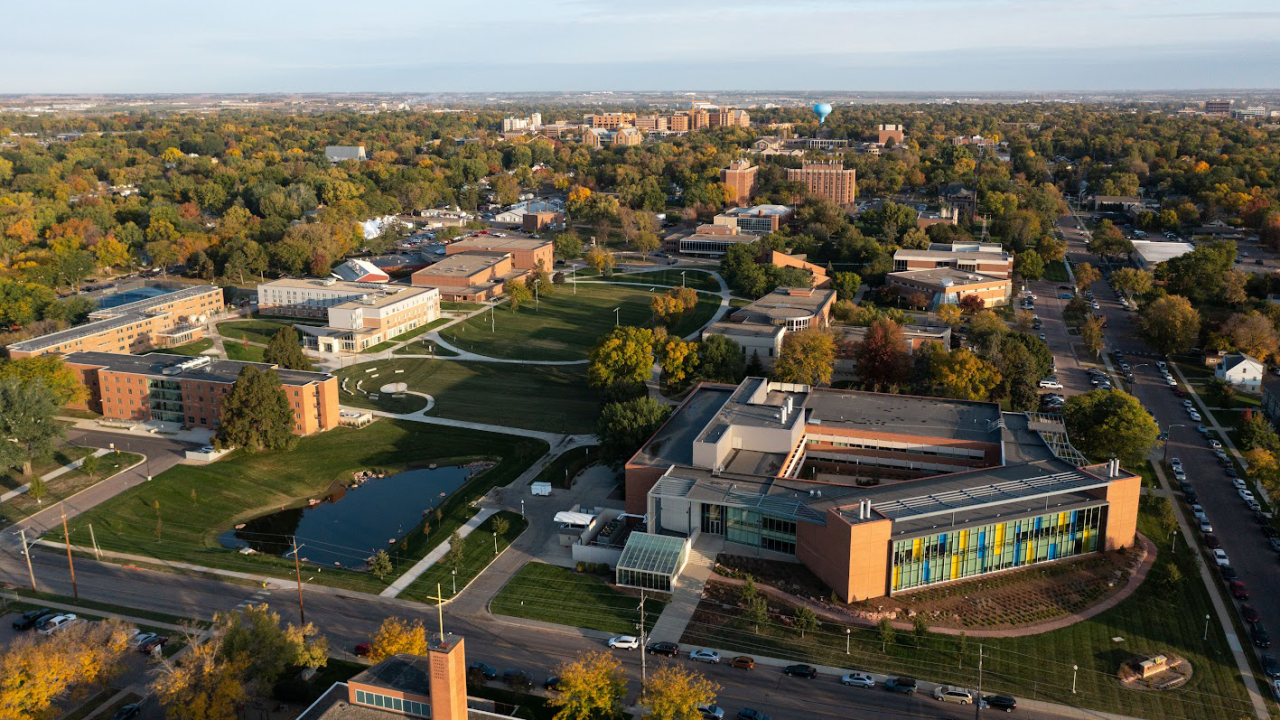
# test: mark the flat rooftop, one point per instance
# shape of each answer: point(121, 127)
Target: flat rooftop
point(947, 276)
point(731, 328)
point(673, 443)
point(905, 415)
point(221, 371)
point(464, 264)
point(1156, 251)
point(389, 295)
point(490, 243)
point(111, 318)
point(950, 254)
point(759, 210)
point(401, 673)
point(156, 301)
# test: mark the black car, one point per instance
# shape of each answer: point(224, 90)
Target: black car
point(1269, 531)
point(1228, 573)
point(1186, 487)
point(29, 619)
point(552, 683)
point(1001, 702)
point(127, 712)
point(1231, 471)
point(669, 649)
point(1270, 666)
point(1191, 496)
point(804, 671)
point(513, 676)
point(749, 714)
point(1259, 635)
point(904, 685)
point(490, 672)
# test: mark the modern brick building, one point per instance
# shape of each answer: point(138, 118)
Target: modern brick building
point(472, 276)
point(609, 121)
point(189, 390)
point(740, 177)
point(760, 219)
point(828, 180)
point(708, 240)
point(890, 132)
point(947, 286)
point(877, 494)
point(760, 327)
point(985, 258)
point(624, 136)
point(175, 317)
point(526, 253)
point(358, 315)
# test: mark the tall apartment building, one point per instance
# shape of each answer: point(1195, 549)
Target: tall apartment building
point(175, 317)
point(729, 117)
point(517, 124)
point(760, 219)
point(890, 132)
point(828, 180)
point(1217, 107)
point(740, 176)
point(358, 315)
point(679, 123)
point(189, 391)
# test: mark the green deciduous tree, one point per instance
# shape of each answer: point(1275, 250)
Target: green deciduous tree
point(721, 360)
point(1170, 324)
point(624, 426)
point(254, 638)
point(380, 564)
point(805, 620)
point(28, 425)
point(1029, 265)
point(1105, 424)
point(1132, 281)
point(846, 285)
point(256, 413)
point(285, 350)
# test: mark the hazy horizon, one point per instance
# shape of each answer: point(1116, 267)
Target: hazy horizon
point(938, 46)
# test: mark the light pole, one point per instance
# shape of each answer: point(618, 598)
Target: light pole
point(454, 572)
point(847, 633)
point(682, 272)
point(1173, 540)
point(1167, 433)
point(617, 316)
point(535, 294)
point(495, 542)
point(521, 507)
point(1075, 670)
point(1206, 627)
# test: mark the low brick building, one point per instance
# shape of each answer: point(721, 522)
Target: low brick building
point(470, 276)
point(947, 286)
point(526, 253)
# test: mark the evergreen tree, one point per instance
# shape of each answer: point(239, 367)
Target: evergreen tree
point(27, 412)
point(285, 350)
point(256, 413)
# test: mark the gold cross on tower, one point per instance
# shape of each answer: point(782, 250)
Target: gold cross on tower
point(439, 598)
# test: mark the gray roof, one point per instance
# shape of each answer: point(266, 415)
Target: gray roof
point(222, 371)
point(906, 414)
point(106, 319)
point(1230, 361)
point(672, 444)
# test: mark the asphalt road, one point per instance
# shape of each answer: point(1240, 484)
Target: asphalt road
point(1233, 522)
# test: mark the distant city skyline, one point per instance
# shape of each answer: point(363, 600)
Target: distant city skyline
point(145, 46)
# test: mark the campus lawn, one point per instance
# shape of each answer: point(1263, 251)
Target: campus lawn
point(559, 595)
point(421, 329)
point(554, 398)
point(242, 352)
point(255, 331)
point(11, 478)
point(65, 485)
point(1162, 616)
point(696, 279)
point(565, 326)
point(386, 345)
point(478, 552)
point(196, 348)
point(1055, 271)
point(196, 503)
point(425, 346)
point(454, 306)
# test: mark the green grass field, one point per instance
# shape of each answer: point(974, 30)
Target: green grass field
point(255, 331)
point(65, 485)
point(478, 552)
point(566, 325)
point(421, 329)
point(696, 279)
point(196, 348)
point(242, 352)
point(1162, 616)
point(197, 503)
point(11, 478)
point(1055, 271)
point(552, 397)
point(559, 595)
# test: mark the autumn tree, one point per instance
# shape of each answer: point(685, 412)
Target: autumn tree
point(1020, 374)
point(1170, 324)
point(678, 360)
point(592, 686)
point(380, 564)
point(40, 670)
point(972, 303)
point(1091, 334)
point(1105, 424)
point(881, 357)
point(396, 636)
point(202, 683)
point(601, 260)
point(285, 349)
point(846, 285)
point(950, 315)
point(518, 292)
point(1132, 281)
point(1086, 276)
point(1107, 241)
point(675, 693)
point(256, 414)
point(963, 375)
point(622, 361)
point(254, 638)
point(1251, 334)
point(51, 371)
point(1264, 468)
point(807, 357)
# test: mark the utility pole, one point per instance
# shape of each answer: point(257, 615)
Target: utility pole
point(644, 669)
point(297, 569)
point(66, 538)
point(977, 702)
point(26, 552)
point(96, 552)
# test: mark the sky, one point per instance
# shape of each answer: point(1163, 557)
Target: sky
point(572, 45)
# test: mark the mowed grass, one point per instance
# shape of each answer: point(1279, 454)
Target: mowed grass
point(565, 326)
point(1162, 616)
point(196, 348)
point(477, 553)
point(554, 398)
point(65, 485)
point(179, 515)
point(244, 353)
point(696, 279)
point(255, 331)
point(11, 478)
point(559, 595)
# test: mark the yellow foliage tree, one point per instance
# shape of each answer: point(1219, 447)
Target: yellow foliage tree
point(965, 376)
point(807, 357)
point(950, 314)
point(1264, 469)
point(601, 260)
point(36, 670)
point(674, 693)
point(591, 686)
point(110, 252)
point(396, 636)
point(678, 360)
point(171, 155)
point(204, 685)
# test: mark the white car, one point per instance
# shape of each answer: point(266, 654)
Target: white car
point(1175, 463)
point(1198, 513)
point(857, 679)
point(1246, 496)
point(1195, 416)
point(1050, 384)
point(1215, 444)
point(1206, 526)
point(1171, 382)
point(1162, 365)
point(1179, 475)
point(54, 624)
point(1220, 557)
point(624, 642)
point(711, 712)
point(706, 656)
point(1239, 484)
point(1188, 404)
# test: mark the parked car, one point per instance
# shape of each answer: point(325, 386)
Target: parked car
point(1006, 703)
point(31, 618)
point(711, 712)
point(624, 642)
point(743, 662)
point(56, 623)
point(137, 639)
point(1206, 527)
point(513, 676)
point(362, 649)
point(1220, 557)
point(751, 714)
point(1215, 444)
point(1259, 636)
point(1274, 543)
point(1249, 613)
point(490, 672)
point(128, 712)
point(804, 671)
point(153, 645)
point(953, 694)
point(858, 679)
point(1175, 462)
point(1194, 416)
point(552, 683)
point(1230, 470)
point(1179, 474)
point(706, 656)
point(1239, 590)
point(1050, 384)
point(1212, 542)
point(904, 685)
point(669, 649)
point(1239, 484)
point(1270, 666)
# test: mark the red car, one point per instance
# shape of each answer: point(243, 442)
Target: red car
point(1249, 613)
point(1179, 393)
point(1212, 542)
point(1238, 590)
point(362, 650)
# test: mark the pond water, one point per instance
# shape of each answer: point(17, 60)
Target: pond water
point(350, 524)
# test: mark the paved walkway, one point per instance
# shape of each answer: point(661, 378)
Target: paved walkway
point(50, 475)
point(555, 439)
point(81, 610)
point(684, 598)
point(433, 557)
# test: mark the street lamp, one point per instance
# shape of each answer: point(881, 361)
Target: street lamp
point(1206, 627)
point(535, 293)
point(495, 542)
point(847, 633)
point(1075, 670)
point(454, 572)
point(522, 507)
point(617, 316)
point(1173, 539)
point(1167, 433)
point(682, 278)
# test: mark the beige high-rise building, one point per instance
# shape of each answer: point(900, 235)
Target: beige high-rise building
point(828, 180)
point(740, 176)
point(729, 117)
point(609, 121)
point(890, 132)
